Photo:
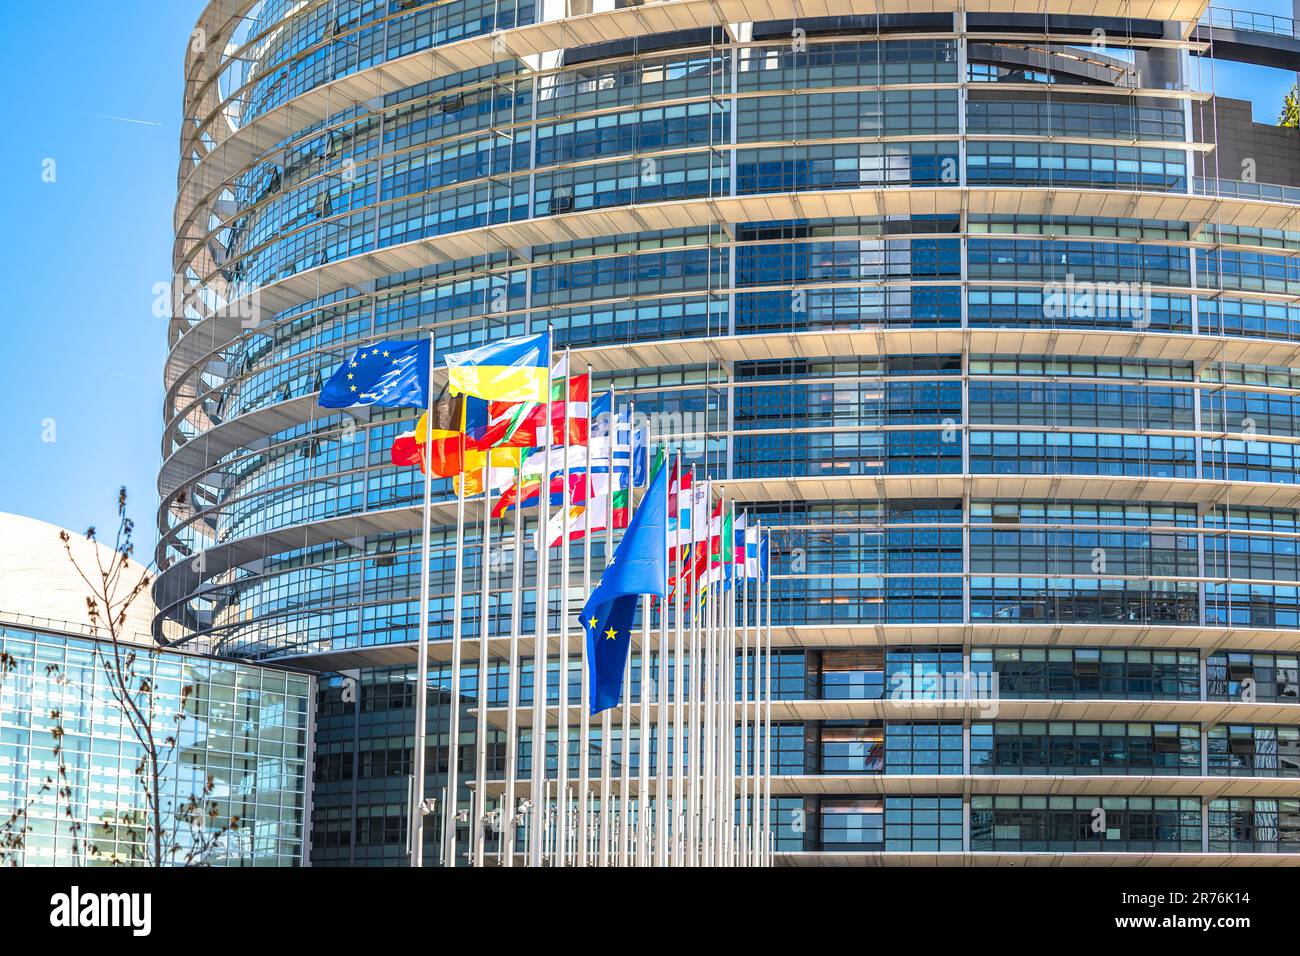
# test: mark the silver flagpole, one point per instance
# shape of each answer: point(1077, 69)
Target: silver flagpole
point(625, 762)
point(562, 782)
point(643, 738)
point(584, 748)
point(758, 696)
point(625, 748)
point(606, 728)
point(678, 817)
point(548, 841)
point(715, 735)
point(739, 661)
point(695, 753)
point(662, 815)
point(453, 732)
point(715, 626)
point(710, 685)
point(707, 750)
point(757, 663)
point(767, 724)
point(643, 719)
point(540, 637)
point(742, 850)
point(510, 802)
point(727, 670)
point(720, 722)
point(732, 610)
point(759, 841)
point(717, 600)
point(758, 828)
point(478, 827)
point(415, 822)
point(726, 641)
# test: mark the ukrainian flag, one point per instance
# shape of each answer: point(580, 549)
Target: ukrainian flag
point(511, 370)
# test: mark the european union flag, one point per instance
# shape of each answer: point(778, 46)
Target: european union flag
point(388, 373)
point(639, 566)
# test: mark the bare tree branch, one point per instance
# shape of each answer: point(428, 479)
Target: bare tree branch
point(195, 828)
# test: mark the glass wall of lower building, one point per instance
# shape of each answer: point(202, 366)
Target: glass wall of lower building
point(232, 742)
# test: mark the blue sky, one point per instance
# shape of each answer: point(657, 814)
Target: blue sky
point(96, 87)
point(1263, 87)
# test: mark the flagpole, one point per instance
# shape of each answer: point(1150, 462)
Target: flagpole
point(710, 683)
point(757, 694)
point(453, 737)
point(541, 627)
point(720, 702)
point(720, 725)
point(726, 669)
point(416, 810)
point(625, 761)
point(720, 635)
point(733, 607)
point(625, 749)
point(484, 639)
point(510, 802)
point(643, 720)
point(695, 756)
point(606, 728)
point(643, 737)
point(767, 721)
point(737, 663)
point(562, 780)
point(758, 828)
point(717, 600)
point(584, 720)
point(709, 748)
point(662, 812)
point(478, 827)
point(678, 847)
point(743, 835)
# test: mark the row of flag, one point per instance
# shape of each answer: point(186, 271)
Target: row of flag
point(522, 430)
point(728, 551)
point(490, 432)
point(490, 424)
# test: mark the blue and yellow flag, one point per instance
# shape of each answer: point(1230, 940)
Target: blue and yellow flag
point(388, 373)
point(639, 566)
point(512, 370)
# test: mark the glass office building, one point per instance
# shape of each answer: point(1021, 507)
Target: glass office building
point(69, 785)
point(988, 310)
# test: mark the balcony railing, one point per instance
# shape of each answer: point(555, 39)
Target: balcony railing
point(1239, 189)
point(1250, 22)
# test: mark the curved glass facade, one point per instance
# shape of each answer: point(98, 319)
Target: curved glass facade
point(1020, 360)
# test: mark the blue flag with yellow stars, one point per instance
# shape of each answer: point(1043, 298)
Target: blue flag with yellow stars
point(639, 566)
point(388, 373)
